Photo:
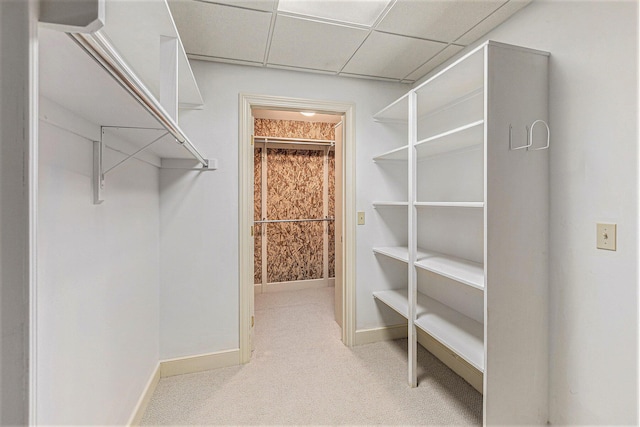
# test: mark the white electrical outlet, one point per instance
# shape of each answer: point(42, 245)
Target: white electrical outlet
point(606, 236)
point(360, 218)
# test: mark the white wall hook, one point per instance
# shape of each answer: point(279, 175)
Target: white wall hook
point(531, 135)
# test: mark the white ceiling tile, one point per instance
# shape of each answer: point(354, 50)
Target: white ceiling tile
point(449, 51)
point(495, 19)
point(310, 44)
point(391, 56)
point(442, 20)
point(348, 11)
point(267, 5)
point(221, 31)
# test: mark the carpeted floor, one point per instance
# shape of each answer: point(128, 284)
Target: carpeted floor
point(302, 374)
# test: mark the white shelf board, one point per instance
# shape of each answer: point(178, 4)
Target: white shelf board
point(72, 79)
point(455, 139)
point(397, 154)
point(459, 333)
point(461, 270)
point(399, 253)
point(450, 204)
point(395, 299)
point(380, 204)
point(396, 112)
point(134, 28)
point(457, 81)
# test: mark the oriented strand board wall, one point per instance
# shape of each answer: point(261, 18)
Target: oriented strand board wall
point(294, 191)
point(293, 129)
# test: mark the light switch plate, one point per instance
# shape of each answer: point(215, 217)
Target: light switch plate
point(360, 218)
point(606, 236)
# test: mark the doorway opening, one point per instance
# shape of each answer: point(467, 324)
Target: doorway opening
point(296, 200)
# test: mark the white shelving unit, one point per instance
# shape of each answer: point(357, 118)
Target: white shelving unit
point(477, 220)
point(129, 78)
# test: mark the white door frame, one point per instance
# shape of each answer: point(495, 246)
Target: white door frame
point(245, 207)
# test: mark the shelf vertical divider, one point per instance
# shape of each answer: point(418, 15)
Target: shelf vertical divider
point(412, 239)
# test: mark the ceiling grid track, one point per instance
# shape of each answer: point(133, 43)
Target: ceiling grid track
point(387, 40)
point(272, 25)
point(371, 29)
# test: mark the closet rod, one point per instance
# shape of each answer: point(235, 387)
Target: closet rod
point(300, 141)
point(268, 221)
point(101, 50)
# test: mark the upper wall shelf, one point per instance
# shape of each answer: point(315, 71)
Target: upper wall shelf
point(134, 28)
point(396, 112)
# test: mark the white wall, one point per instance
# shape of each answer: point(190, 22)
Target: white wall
point(594, 166)
point(15, 135)
point(199, 213)
point(97, 281)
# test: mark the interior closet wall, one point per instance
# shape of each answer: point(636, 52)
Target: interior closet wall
point(199, 279)
point(295, 189)
point(98, 276)
point(593, 116)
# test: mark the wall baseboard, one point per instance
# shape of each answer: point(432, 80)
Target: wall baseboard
point(180, 366)
point(452, 360)
point(199, 363)
point(145, 398)
point(294, 285)
point(386, 333)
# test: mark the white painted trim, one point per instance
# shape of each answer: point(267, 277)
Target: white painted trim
point(452, 360)
point(294, 285)
point(145, 398)
point(199, 363)
point(385, 333)
point(245, 206)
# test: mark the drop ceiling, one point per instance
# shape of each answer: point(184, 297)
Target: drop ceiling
point(396, 40)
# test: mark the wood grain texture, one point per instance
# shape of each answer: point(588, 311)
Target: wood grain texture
point(293, 129)
point(294, 189)
point(294, 251)
point(294, 184)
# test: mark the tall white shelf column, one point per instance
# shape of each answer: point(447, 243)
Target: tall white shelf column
point(477, 225)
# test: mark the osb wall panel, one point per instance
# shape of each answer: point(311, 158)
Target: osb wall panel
point(293, 129)
point(332, 212)
point(294, 184)
point(294, 191)
point(257, 214)
point(294, 251)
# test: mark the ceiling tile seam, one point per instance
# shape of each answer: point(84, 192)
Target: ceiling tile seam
point(272, 25)
point(375, 24)
point(324, 20)
point(366, 76)
point(234, 6)
point(425, 62)
point(293, 67)
point(484, 19)
point(420, 38)
point(225, 59)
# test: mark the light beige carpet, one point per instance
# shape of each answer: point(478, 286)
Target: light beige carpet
point(302, 374)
